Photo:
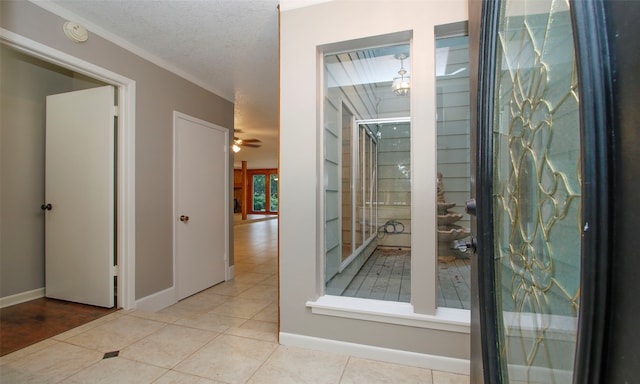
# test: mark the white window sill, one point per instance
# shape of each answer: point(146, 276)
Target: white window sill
point(445, 319)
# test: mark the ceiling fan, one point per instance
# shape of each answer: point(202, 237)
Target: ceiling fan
point(238, 142)
point(253, 143)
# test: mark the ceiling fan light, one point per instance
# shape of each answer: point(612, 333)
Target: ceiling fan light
point(235, 148)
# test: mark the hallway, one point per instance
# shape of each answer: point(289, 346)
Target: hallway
point(225, 334)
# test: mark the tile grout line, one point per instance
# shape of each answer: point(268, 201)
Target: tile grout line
point(263, 363)
point(344, 369)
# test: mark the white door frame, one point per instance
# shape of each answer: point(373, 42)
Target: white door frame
point(125, 163)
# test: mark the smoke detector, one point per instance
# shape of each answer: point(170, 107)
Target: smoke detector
point(75, 32)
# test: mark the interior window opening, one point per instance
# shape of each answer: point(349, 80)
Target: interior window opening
point(367, 173)
point(453, 170)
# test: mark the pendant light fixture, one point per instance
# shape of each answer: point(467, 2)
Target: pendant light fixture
point(401, 84)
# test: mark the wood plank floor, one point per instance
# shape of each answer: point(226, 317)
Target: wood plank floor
point(387, 276)
point(454, 280)
point(27, 323)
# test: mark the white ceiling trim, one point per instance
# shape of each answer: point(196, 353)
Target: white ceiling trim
point(287, 5)
point(68, 15)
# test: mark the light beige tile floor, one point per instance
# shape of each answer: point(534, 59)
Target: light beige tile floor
point(225, 334)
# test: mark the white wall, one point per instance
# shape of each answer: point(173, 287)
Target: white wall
point(304, 31)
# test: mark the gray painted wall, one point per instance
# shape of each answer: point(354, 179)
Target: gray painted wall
point(158, 94)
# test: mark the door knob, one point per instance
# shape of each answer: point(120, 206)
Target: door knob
point(464, 246)
point(470, 207)
point(184, 218)
point(46, 207)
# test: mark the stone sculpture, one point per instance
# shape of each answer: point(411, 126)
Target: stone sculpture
point(448, 232)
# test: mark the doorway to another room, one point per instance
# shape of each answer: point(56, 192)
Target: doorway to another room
point(27, 81)
point(255, 194)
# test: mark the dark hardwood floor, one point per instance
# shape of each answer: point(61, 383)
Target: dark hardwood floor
point(27, 323)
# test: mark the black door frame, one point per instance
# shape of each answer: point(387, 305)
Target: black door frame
point(608, 348)
point(482, 48)
point(592, 56)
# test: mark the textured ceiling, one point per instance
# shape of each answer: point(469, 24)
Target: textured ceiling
point(227, 46)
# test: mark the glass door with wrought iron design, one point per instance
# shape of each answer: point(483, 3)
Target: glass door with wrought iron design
point(532, 191)
point(554, 114)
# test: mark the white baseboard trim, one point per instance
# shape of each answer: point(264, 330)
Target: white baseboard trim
point(157, 301)
point(232, 272)
point(21, 297)
point(438, 363)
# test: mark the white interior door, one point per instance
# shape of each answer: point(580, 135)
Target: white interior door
point(200, 204)
point(79, 190)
